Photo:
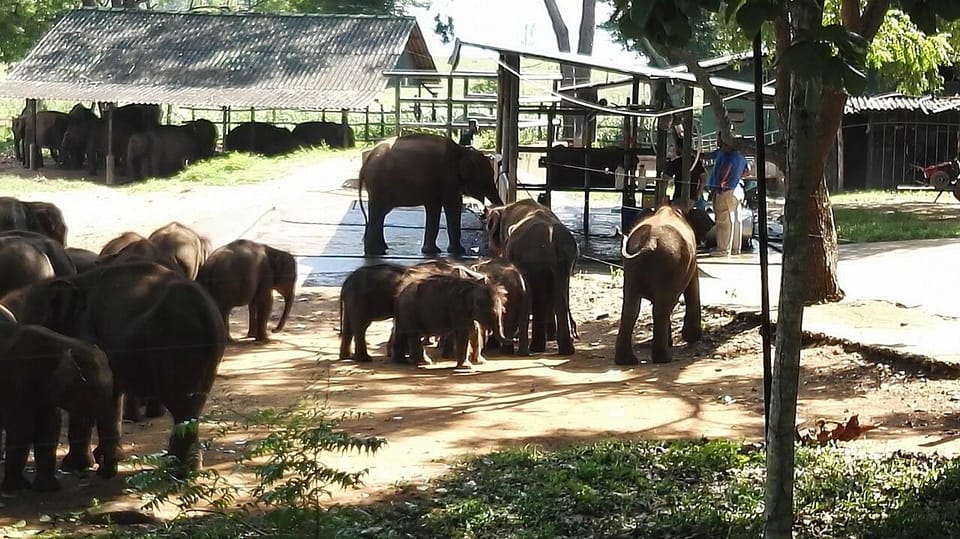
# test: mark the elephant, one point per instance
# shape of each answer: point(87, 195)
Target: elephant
point(41, 217)
point(73, 145)
point(660, 265)
point(162, 334)
point(41, 371)
point(117, 244)
point(86, 137)
point(184, 244)
point(205, 134)
point(50, 128)
point(23, 263)
point(262, 138)
point(161, 152)
point(367, 295)
point(441, 304)
point(332, 134)
point(83, 259)
point(139, 116)
point(516, 308)
point(423, 170)
point(142, 250)
point(245, 272)
point(54, 251)
point(534, 240)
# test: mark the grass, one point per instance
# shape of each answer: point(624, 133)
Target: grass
point(872, 216)
point(631, 489)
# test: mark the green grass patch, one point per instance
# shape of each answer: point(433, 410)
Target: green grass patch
point(862, 225)
point(632, 489)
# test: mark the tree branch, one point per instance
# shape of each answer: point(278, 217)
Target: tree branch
point(850, 14)
point(710, 93)
point(588, 26)
point(559, 27)
point(872, 18)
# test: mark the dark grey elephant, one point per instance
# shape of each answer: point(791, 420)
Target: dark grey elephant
point(41, 371)
point(73, 146)
point(160, 152)
point(205, 135)
point(245, 272)
point(142, 250)
point(40, 217)
point(260, 137)
point(660, 265)
point(83, 259)
point(86, 138)
point(184, 245)
point(423, 170)
point(50, 128)
point(332, 134)
point(162, 333)
point(531, 237)
point(22, 263)
point(368, 294)
point(52, 249)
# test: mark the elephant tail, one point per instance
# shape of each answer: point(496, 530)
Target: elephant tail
point(360, 196)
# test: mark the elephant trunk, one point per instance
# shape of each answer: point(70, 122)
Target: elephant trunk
point(287, 292)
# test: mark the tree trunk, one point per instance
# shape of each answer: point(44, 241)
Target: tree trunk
point(586, 127)
point(567, 72)
point(806, 173)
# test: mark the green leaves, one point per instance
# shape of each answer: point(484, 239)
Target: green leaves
point(832, 54)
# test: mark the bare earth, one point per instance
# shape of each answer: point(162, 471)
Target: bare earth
point(431, 416)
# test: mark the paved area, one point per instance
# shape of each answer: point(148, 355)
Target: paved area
point(899, 295)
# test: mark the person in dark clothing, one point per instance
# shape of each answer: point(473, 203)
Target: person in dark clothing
point(466, 137)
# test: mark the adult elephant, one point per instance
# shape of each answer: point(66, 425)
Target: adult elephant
point(531, 236)
point(184, 245)
point(162, 151)
point(41, 371)
point(245, 272)
point(423, 170)
point(260, 137)
point(162, 334)
point(332, 134)
point(35, 216)
point(142, 250)
point(50, 127)
point(205, 134)
point(73, 146)
point(83, 259)
point(22, 264)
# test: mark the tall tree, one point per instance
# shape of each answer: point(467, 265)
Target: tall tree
point(23, 22)
point(817, 64)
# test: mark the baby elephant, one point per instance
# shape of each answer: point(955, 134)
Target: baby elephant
point(441, 304)
point(245, 272)
point(368, 294)
point(41, 371)
point(659, 264)
point(516, 308)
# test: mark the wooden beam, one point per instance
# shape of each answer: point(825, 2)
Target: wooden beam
point(34, 155)
point(511, 133)
point(109, 169)
point(685, 176)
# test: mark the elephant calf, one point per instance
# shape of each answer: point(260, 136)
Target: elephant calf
point(517, 304)
point(442, 304)
point(368, 294)
point(184, 245)
point(245, 272)
point(659, 264)
point(41, 371)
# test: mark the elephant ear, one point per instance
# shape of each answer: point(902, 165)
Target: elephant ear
point(47, 219)
point(494, 218)
point(57, 304)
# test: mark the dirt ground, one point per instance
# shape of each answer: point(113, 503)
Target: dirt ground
point(431, 416)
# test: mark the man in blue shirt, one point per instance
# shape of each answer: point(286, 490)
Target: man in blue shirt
point(725, 184)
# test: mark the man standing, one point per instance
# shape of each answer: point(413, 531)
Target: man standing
point(466, 137)
point(729, 167)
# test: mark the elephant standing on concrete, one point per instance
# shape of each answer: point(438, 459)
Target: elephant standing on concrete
point(660, 265)
point(244, 272)
point(531, 236)
point(423, 170)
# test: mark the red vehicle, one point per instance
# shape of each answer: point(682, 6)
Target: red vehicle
point(943, 176)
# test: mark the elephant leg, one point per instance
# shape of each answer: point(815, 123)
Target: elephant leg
point(46, 434)
point(133, 409)
point(662, 337)
point(346, 336)
point(399, 339)
point(374, 243)
point(561, 316)
point(225, 313)
point(417, 355)
point(361, 343)
point(630, 310)
point(431, 228)
point(475, 338)
point(540, 303)
point(79, 432)
point(451, 211)
point(252, 319)
point(184, 438)
point(264, 304)
point(461, 337)
point(448, 346)
point(692, 327)
point(19, 436)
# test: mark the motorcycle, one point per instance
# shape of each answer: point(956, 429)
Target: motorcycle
point(943, 176)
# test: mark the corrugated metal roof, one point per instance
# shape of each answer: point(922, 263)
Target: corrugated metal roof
point(894, 102)
point(214, 59)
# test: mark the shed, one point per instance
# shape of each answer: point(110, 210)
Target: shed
point(218, 59)
point(886, 135)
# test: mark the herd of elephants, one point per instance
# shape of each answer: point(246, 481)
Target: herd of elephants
point(143, 147)
point(140, 327)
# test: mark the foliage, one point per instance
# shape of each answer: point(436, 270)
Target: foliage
point(356, 7)
point(22, 22)
point(649, 489)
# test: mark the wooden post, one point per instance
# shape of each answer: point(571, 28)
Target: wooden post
point(396, 109)
point(366, 123)
point(345, 121)
point(383, 122)
point(586, 194)
point(226, 127)
point(169, 113)
point(34, 159)
point(109, 170)
point(449, 106)
point(687, 149)
point(253, 114)
point(551, 114)
point(466, 106)
point(510, 88)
